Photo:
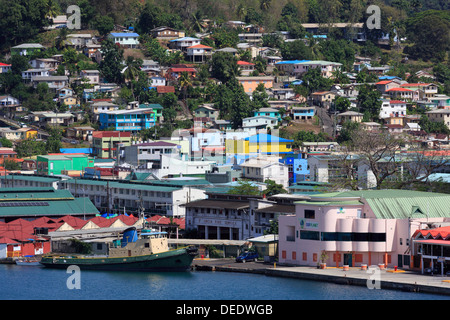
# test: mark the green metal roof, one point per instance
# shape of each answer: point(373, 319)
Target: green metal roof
point(16, 202)
point(395, 204)
point(121, 185)
point(33, 194)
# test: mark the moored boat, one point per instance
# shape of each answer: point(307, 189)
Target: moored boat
point(28, 261)
point(147, 252)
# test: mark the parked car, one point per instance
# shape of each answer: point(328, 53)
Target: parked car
point(247, 256)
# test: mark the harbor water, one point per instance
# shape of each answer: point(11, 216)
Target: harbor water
point(39, 283)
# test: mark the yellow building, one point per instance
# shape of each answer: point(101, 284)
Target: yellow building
point(251, 83)
point(260, 143)
point(29, 133)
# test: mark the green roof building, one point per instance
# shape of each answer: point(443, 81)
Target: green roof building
point(56, 164)
point(35, 202)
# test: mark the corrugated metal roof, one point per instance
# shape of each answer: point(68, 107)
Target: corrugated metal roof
point(400, 204)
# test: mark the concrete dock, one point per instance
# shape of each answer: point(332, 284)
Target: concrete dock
point(373, 277)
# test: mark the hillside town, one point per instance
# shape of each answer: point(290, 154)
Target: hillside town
point(313, 148)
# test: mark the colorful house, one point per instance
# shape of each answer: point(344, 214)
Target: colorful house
point(250, 83)
point(268, 112)
point(125, 39)
point(105, 144)
point(60, 163)
point(129, 120)
point(260, 143)
point(359, 228)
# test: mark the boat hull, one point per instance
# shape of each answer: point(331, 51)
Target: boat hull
point(173, 260)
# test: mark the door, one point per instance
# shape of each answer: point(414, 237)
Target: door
point(348, 259)
point(400, 261)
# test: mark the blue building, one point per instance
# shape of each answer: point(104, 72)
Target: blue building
point(303, 113)
point(298, 167)
point(128, 120)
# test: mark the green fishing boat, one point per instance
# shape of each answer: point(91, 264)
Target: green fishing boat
point(147, 252)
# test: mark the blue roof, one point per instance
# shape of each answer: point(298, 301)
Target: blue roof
point(292, 61)
point(184, 38)
point(76, 150)
point(124, 34)
point(266, 138)
point(388, 77)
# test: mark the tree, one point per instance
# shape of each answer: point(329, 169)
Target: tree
point(233, 103)
point(103, 24)
point(273, 188)
point(53, 143)
point(224, 66)
point(341, 104)
point(379, 153)
point(430, 31)
point(314, 81)
point(111, 65)
point(30, 147)
point(369, 100)
point(244, 188)
point(265, 5)
point(295, 50)
point(184, 81)
point(132, 70)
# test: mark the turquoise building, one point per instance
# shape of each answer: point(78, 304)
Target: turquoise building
point(131, 120)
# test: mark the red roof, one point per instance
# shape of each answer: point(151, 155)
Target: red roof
point(109, 134)
point(176, 70)
point(7, 240)
point(165, 89)
point(415, 84)
point(74, 222)
point(384, 82)
point(396, 102)
point(4, 65)
point(398, 89)
point(244, 63)
point(442, 232)
point(200, 46)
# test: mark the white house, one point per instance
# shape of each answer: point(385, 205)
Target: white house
point(259, 122)
point(392, 108)
point(4, 67)
point(80, 40)
point(327, 67)
point(125, 39)
point(27, 75)
point(184, 43)
point(54, 82)
point(262, 169)
point(198, 53)
point(8, 100)
point(44, 63)
point(157, 81)
point(92, 75)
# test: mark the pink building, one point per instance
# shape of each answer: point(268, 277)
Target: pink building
point(355, 228)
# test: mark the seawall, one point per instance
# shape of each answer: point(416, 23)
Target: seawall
point(384, 279)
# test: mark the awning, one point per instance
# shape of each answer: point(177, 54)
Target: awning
point(433, 242)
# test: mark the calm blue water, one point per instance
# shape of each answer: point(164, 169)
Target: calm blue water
point(38, 283)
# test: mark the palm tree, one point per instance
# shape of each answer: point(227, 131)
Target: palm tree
point(241, 11)
point(184, 81)
point(52, 8)
point(196, 21)
point(265, 5)
point(131, 70)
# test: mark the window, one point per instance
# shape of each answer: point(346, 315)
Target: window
point(309, 235)
point(310, 214)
